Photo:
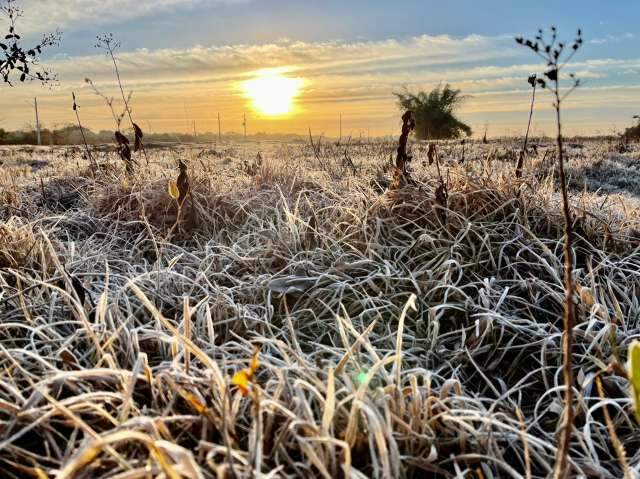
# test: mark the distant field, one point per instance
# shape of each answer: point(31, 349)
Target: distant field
point(398, 338)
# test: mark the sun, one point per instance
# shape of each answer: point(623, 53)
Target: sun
point(272, 93)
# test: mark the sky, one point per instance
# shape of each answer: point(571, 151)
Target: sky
point(188, 60)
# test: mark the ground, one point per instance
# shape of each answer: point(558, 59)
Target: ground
point(398, 336)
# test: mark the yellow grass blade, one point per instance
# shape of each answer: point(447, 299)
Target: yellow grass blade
point(634, 376)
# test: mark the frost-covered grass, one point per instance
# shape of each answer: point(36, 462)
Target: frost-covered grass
point(393, 343)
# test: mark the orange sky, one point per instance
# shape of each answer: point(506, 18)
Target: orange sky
point(175, 87)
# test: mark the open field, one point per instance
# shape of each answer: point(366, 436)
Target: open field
point(398, 337)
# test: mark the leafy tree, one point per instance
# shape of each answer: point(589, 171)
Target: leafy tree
point(633, 133)
point(435, 112)
point(18, 61)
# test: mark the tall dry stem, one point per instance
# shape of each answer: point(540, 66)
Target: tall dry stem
point(551, 51)
point(533, 82)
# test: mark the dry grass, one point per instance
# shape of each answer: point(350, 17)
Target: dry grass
point(392, 345)
point(17, 243)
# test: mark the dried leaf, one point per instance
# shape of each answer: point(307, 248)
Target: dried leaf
point(121, 139)
point(173, 190)
point(69, 358)
point(586, 295)
point(244, 378)
point(241, 379)
point(138, 137)
point(183, 182)
point(124, 151)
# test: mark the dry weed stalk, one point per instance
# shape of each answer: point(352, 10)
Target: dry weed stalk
point(551, 51)
point(108, 43)
point(431, 153)
point(533, 81)
point(183, 182)
point(442, 197)
point(92, 161)
point(401, 176)
point(253, 168)
point(110, 102)
point(442, 191)
point(615, 441)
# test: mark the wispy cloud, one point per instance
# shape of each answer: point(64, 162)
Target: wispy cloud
point(613, 38)
point(49, 14)
point(389, 58)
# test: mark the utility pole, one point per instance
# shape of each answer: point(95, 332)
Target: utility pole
point(244, 124)
point(195, 135)
point(219, 128)
point(340, 141)
point(37, 122)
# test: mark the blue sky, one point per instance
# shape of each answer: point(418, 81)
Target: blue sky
point(184, 24)
point(351, 54)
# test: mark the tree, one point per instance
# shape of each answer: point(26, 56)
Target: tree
point(18, 61)
point(435, 112)
point(633, 133)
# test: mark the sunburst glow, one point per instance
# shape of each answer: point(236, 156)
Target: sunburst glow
point(272, 93)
